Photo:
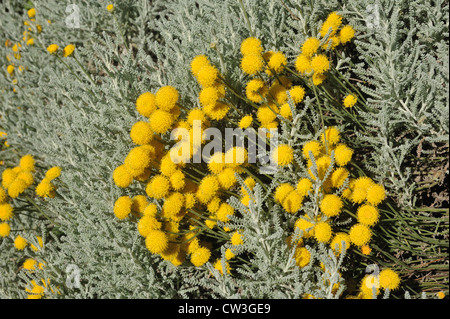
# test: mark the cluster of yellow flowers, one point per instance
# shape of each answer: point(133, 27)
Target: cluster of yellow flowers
point(28, 39)
point(15, 181)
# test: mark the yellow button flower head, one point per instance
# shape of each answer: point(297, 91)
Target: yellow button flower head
point(338, 239)
point(122, 177)
point(251, 46)
point(68, 50)
point(53, 173)
point(342, 154)
point(304, 186)
point(40, 243)
point(216, 111)
point(146, 224)
point(285, 111)
point(16, 188)
point(252, 64)
point(322, 232)
point(27, 163)
point(20, 243)
point(320, 63)
point(227, 178)
point(141, 133)
point(332, 136)
point(331, 205)
point(110, 7)
point(367, 285)
point(208, 96)
point(283, 155)
point(303, 64)
point(297, 93)
point(332, 43)
point(158, 187)
point(312, 146)
point(207, 75)
point(198, 62)
point(375, 194)
point(53, 48)
point(389, 279)
point(30, 42)
point(218, 266)
point(10, 69)
point(360, 234)
point(122, 207)
point(333, 21)
point(146, 104)
point(173, 204)
point(282, 191)
point(339, 176)
point(350, 100)
point(6, 211)
point(3, 195)
point(177, 180)
point(208, 188)
point(277, 63)
point(367, 215)
point(302, 257)
point(31, 13)
point(265, 114)
point(318, 78)
point(237, 239)
point(236, 156)
point(366, 250)
point(200, 256)
point(138, 159)
point(245, 122)
point(5, 230)
point(45, 188)
point(310, 46)
point(224, 211)
point(346, 34)
point(166, 98)
point(161, 121)
point(156, 241)
point(293, 202)
point(256, 90)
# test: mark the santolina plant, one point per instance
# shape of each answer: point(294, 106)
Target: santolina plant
point(244, 161)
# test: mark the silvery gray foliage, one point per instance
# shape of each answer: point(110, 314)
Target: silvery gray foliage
point(81, 122)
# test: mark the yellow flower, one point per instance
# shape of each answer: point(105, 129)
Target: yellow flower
point(5, 229)
point(346, 34)
point(256, 90)
point(10, 69)
point(310, 46)
point(200, 256)
point(16, 188)
point(208, 96)
point(282, 191)
point(375, 194)
point(122, 207)
point(166, 98)
point(322, 232)
point(207, 75)
point(338, 239)
point(297, 93)
point(283, 155)
point(208, 188)
point(31, 13)
point(331, 205)
point(318, 78)
point(320, 63)
point(161, 121)
point(224, 211)
point(158, 187)
point(360, 234)
point(265, 114)
point(367, 215)
point(237, 239)
point(52, 48)
point(302, 256)
point(173, 204)
point(216, 111)
point(251, 46)
point(276, 63)
point(389, 279)
point(332, 136)
point(45, 188)
point(342, 154)
point(338, 177)
point(441, 295)
point(218, 266)
point(3, 195)
point(227, 178)
point(304, 186)
point(293, 202)
point(20, 243)
point(303, 64)
point(6, 211)
point(312, 146)
point(177, 180)
point(156, 241)
point(146, 104)
point(122, 177)
point(53, 173)
point(141, 133)
point(245, 122)
point(252, 64)
point(68, 50)
point(333, 21)
point(366, 250)
point(350, 100)
point(305, 224)
point(110, 7)
point(198, 62)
